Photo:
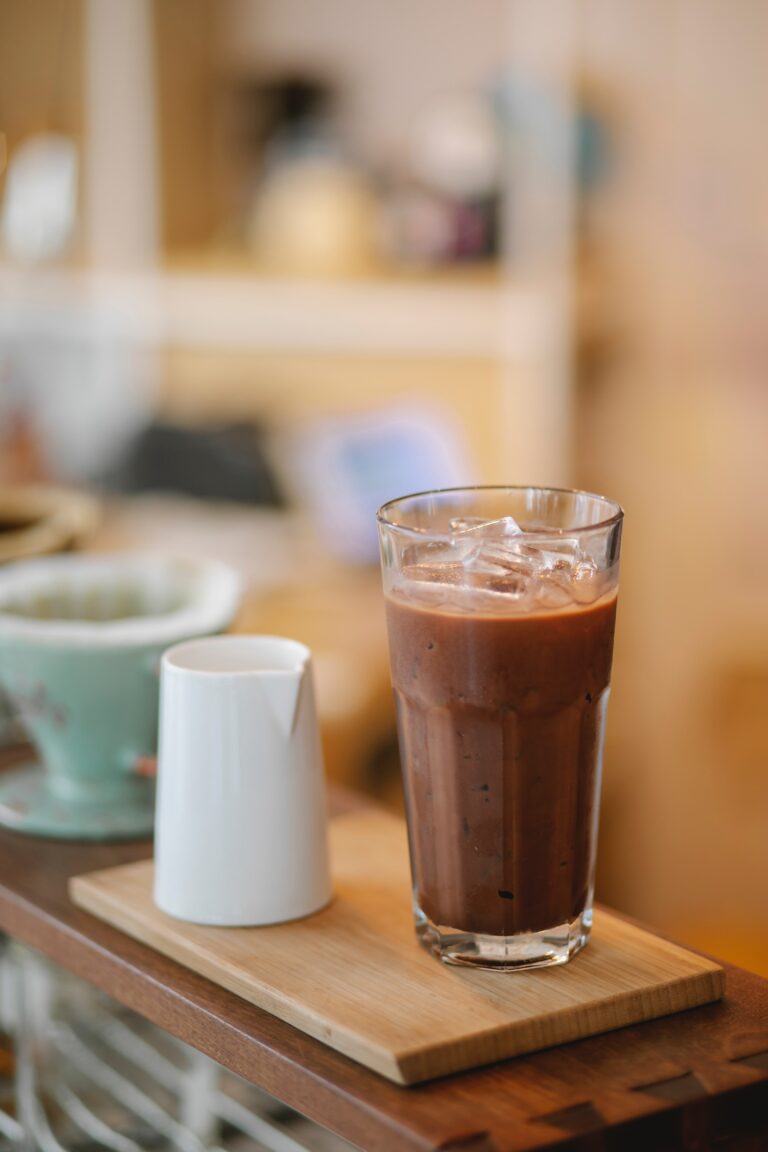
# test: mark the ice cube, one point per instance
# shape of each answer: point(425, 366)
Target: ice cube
point(509, 584)
point(438, 552)
point(496, 563)
point(499, 558)
point(554, 554)
point(497, 544)
point(478, 527)
point(435, 572)
point(586, 581)
point(565, 573)
point(553, 589)
point(500, 573)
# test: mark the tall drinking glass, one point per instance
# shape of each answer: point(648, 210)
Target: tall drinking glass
point(501, 605)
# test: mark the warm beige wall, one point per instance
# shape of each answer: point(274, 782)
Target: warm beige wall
point(675, 425)
point(184, 42)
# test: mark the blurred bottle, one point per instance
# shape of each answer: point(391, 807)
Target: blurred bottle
point(39, 213)
point(313, 211)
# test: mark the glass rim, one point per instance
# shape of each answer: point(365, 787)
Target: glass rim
point(616, 517)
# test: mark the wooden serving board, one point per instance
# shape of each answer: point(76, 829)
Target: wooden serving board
point(354, 976)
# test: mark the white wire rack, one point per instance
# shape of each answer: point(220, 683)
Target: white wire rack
point(89, 1074)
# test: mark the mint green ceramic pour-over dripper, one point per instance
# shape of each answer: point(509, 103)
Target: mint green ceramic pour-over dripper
point(80, 645)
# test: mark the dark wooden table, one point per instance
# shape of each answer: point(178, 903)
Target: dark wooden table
point(694, 1081)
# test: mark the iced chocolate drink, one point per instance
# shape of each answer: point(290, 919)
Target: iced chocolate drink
point(501, 606)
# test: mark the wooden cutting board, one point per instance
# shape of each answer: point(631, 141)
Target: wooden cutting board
point(354, 976)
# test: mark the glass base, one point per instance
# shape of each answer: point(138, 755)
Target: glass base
point(504, 953)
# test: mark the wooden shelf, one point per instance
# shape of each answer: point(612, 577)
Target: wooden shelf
point(232, 260)
point(226, 304)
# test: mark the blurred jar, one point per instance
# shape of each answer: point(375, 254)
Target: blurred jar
point(313, 212)
point(314, 216)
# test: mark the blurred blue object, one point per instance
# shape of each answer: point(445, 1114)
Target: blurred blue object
point(347, 466)
point(536, 123)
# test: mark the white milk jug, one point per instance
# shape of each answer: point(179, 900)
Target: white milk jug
point(240, 824)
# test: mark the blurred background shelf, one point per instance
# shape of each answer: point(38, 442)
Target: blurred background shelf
point(192, 303)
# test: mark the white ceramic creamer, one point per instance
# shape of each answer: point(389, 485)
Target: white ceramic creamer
point(241, 824)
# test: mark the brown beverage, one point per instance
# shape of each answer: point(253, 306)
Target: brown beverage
point(501, 605)
point(500, 717)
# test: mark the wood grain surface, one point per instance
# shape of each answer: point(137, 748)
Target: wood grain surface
point(693, 1080)
point(355, 977)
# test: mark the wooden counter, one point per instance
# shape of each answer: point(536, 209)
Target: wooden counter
point(690, 1081)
